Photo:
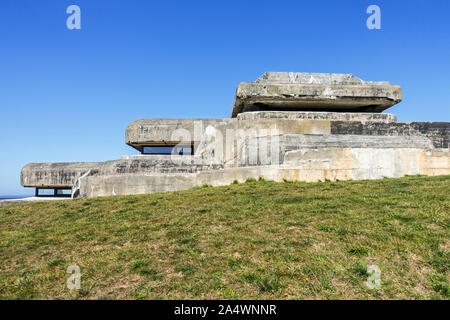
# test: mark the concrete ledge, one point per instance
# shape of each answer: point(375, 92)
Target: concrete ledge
point(55, 175)
point(198, 131)
point(64, 175)
point(147, 132)
point(314, 97)
point(305, 115)
point(180, 159)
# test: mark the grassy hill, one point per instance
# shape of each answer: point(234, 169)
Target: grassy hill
point(256, 240)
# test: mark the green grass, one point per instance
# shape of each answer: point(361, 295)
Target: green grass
point(256, 240)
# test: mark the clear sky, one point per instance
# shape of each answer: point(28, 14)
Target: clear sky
point(68, 95)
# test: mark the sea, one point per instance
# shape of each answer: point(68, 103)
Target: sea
point(13, 197)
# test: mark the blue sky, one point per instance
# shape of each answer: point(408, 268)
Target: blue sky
point(68, 95)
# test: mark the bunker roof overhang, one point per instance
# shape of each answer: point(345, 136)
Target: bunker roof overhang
point(167, 132)
point(298, 91)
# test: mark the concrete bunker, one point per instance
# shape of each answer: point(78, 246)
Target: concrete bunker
point(283, 126)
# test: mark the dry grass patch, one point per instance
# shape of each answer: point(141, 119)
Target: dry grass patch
point(256, 240)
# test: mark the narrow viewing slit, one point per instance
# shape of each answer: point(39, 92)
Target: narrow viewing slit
point(168, 150)
point(50, 192)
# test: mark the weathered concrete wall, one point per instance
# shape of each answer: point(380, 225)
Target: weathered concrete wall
point(217, 139)
point(300, 165)
point(226, 150)
point(434, 162)
point(110, 185)
point(202, 133)
point(158, 163)
point(260, 150)
point(438, 132)
point(64, 175)
point(55, 175)
point(165, 131)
